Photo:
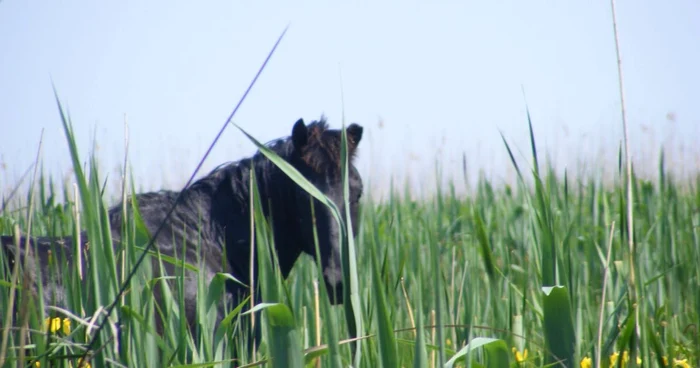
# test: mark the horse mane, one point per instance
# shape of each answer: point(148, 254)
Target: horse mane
point(321, 153)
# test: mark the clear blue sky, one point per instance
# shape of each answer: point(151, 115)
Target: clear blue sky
point(426, 81)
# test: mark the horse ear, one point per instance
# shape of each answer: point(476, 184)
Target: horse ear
point(300, 134)
point(354, 132)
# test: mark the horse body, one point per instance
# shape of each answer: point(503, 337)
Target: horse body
point(212, 219)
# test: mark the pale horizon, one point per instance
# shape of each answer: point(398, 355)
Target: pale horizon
point(427, 82)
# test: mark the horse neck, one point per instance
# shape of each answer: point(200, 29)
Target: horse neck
point(277, 194)
point(230, 201)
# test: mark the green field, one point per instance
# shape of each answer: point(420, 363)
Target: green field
point(501, 276)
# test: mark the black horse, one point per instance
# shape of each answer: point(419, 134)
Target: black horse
point(212, 219)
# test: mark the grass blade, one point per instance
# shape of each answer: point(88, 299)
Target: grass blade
point(496, 348)
point(349, 258)
point(387, 343)
point(558, 326)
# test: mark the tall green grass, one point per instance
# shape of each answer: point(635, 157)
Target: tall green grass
point(447, 280)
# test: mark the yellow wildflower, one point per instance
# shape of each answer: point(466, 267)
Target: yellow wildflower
point(37, 364)
point(613, 359)
point(52, 324)
point(586, 362)
point(626, 358)
point(66, 326)
point(449, 342)
point(681, 363)
point(518, 356)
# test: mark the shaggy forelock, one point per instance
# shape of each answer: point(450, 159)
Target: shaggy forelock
point(322, 151)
